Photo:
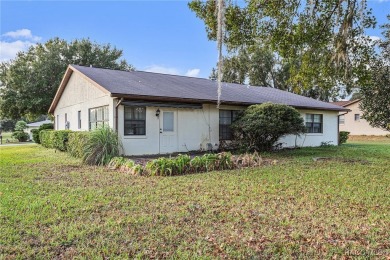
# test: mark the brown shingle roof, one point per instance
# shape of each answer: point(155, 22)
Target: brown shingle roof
point(345, 103)
point(163, 87)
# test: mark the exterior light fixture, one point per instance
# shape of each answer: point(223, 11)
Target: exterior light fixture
point(158, 112)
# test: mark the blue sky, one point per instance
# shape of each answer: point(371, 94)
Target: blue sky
point(160, 36)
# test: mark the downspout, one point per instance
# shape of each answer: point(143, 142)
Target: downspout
point(338, 127)
point(116, 114)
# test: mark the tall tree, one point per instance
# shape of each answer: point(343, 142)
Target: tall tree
point(375, 102)
point(29, 82)
point(322, 42)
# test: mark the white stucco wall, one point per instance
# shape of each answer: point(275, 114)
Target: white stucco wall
point(80, 95)
point(360, 127)
point(329, 133)
point(194, 128)
point(197, 127)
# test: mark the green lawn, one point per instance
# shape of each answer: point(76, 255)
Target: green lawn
point(7, 135)
point(53, 207)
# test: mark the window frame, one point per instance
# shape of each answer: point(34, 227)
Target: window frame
point(312, 122)
point(66, 122)
point(342, 122)
point(79, 119)
point(127, 121)
point(357, 117)
point(104, 121)
point(225, 133)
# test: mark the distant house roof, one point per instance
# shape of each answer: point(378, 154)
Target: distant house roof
point(345, 103)
point(37, 124)
point(140, 85)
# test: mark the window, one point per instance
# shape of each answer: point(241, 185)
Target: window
point(168, 122)
point(135, 118)
point(79, 119)
point(357, 117)
point(58, 122)
point(66, 121)
point(313, 123)
point(341, 120)
point(226, 118)
point(98, 117)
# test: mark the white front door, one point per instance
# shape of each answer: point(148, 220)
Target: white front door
point(168, 131)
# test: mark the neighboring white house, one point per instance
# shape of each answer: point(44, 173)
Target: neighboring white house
point(353, 121)
point(36, 125)
point(158, 113)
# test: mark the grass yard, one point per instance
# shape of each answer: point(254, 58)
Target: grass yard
point(51, 206)
point(7, 135)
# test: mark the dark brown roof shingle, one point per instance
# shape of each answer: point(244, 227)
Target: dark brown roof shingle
point(162, 86)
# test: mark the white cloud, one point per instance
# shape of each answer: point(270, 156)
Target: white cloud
point(22, 34)
point(15, 41)
point(375, 38)
point(172, 71)
point(162, 69)
point(193, 73)
point(8, 50)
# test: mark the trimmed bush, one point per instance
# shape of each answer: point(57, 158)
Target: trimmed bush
point(20, 136)
point(41, 127)
point(77, 141)
point(343, 137)
point(103, 145)
point(261, 126)
point(35, 135)
point(56, 139)
point(45, 138)
point(20, 126)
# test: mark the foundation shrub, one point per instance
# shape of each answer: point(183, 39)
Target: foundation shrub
point(259, 127)
point(343, 137)
point(56, 139)
point(77, 141)
point(103, 145)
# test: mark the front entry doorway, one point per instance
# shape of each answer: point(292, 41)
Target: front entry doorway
point(168, 131)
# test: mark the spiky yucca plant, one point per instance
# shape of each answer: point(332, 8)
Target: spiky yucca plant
point(102, 146)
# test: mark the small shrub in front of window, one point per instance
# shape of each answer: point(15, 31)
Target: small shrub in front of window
point(103, 145)
point(261, 126)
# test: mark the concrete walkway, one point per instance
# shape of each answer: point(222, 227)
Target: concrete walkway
point(16, 144)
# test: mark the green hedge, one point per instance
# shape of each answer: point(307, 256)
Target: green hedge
point(343, 137)
point(35, 132)
point(45, 138)
point(77, 142)
point(54, 139)
point(35, 135)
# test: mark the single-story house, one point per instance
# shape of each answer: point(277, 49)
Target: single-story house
point(353, 122)
point(36, 125)
point(157, 113)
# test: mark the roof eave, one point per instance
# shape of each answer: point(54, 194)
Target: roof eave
point(190, 100)
point(60, 89)
point(68, 73)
